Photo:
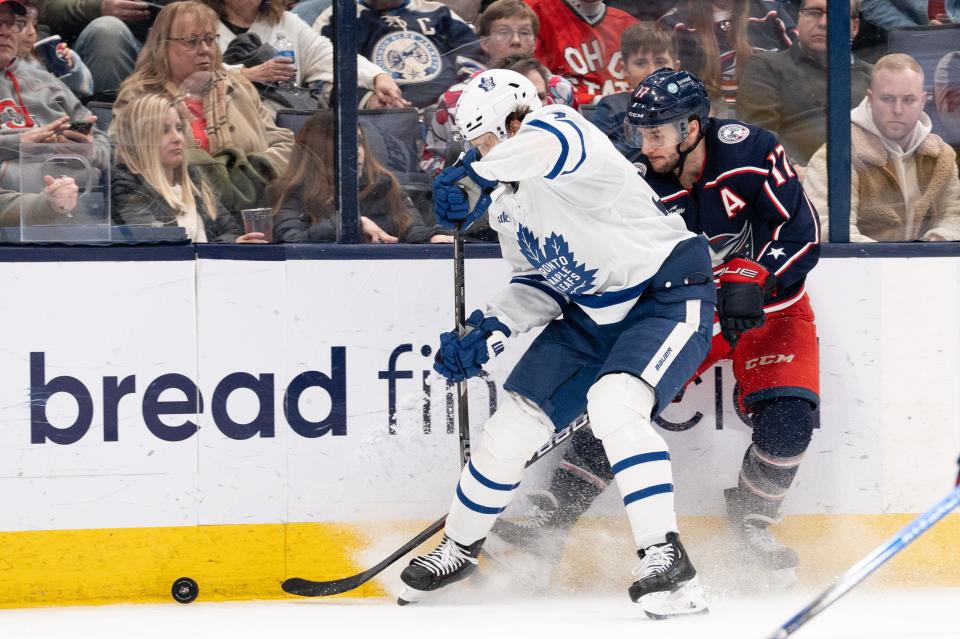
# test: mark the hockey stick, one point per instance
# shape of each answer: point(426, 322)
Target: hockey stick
point(308, 588)
point(459, 302)
point(870, 563)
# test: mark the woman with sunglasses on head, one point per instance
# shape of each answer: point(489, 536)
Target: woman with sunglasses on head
point(303, 197)
point(151, 183)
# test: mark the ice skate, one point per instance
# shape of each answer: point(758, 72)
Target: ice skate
point(446, 564)
point(668, 585)
point(529, 549)
point(756, 540)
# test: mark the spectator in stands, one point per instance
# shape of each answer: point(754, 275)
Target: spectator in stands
point(313, 52)
point(423, 44)
point(904, 180)
point(946, 99)
point(716, 38)
point(786, 91)
point(58, 199)
point(37, 108)
point(890, 14)
point(151, 183)
point(77, 77)
point(303, 197)
point(108, 35)
point(645, 47)
point(231, 136)
point(506, 28)
point(581, 42)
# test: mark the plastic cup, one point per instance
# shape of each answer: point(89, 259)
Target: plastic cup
point(258, 221)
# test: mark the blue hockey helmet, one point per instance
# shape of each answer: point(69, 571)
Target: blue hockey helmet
point(666, 97)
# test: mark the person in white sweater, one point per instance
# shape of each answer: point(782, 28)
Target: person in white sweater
point(314, 52)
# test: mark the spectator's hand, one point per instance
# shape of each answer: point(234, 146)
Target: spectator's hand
point(69, 56)
point(252, 238)
point(440, 238)
point(277, 69)
point(62, 193)
point(387, 92)
point(126, 10)
point(375, 234)
point(46, 133)
point(66, 135)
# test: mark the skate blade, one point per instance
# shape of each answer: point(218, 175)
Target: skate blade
point(688, 599)
point(411, 596)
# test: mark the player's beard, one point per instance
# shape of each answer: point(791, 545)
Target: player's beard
point(664, 165)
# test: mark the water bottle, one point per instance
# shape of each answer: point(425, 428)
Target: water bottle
point(285, 50)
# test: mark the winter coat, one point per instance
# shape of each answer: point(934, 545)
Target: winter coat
point(135, 202)
point(785, 92)
point(293, 223)
point(883, 206)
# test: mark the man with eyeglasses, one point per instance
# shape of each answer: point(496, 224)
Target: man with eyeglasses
point(507, 28)
point(785, 92)
point(580, 40)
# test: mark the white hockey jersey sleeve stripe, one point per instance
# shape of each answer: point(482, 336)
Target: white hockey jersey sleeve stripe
point(564, 145)
point(537, 282)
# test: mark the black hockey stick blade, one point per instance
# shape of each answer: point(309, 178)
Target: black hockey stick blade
point(308, 588)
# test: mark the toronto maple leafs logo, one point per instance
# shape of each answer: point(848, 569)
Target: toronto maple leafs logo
point(555, 262)
point(487, 84)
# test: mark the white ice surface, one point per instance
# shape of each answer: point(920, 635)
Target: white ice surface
point(873, 614)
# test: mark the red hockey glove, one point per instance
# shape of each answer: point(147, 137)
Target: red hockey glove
point(744, 285)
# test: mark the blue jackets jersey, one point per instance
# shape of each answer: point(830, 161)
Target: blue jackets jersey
point(575, 220)
point(422, 44)
point(748, 201)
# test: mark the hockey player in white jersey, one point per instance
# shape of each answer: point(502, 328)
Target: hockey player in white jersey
point(626, 294)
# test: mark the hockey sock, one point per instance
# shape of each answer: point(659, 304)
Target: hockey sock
point(489, 481)
point(782, 431)
point(583, 474)
point(641, 465)
point(620, 406)
point(764, 481)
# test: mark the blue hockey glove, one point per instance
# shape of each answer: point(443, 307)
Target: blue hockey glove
point(460, 358)
point(460, 195)
point(471, 156)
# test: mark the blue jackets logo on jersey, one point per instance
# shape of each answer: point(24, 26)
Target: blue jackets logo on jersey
point(408, 56)
point(555, 262)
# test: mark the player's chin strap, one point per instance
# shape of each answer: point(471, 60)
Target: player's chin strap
point(683, 154)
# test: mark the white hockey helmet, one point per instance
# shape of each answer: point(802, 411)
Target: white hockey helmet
point(489, 98)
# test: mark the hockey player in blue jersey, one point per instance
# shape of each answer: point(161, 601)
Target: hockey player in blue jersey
point(731, 183)
point(627, 299)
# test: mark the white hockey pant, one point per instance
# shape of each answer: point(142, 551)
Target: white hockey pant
point(510, 437)
point(619, 406)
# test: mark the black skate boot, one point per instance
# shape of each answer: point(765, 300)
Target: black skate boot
point(447, 563)
point(668, 585)
point(750, 518)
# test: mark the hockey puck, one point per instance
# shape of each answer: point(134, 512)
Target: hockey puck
point(185, 590)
